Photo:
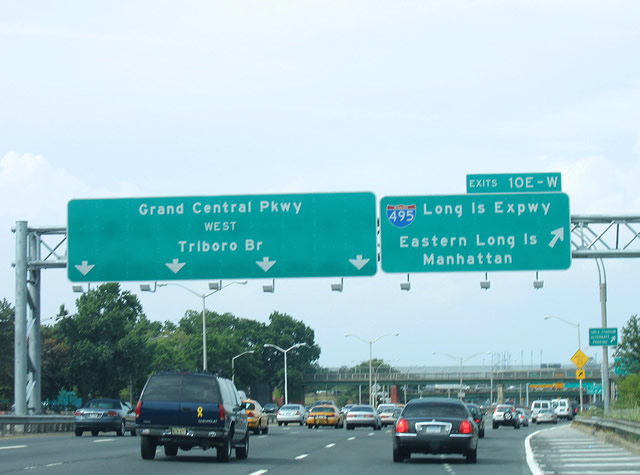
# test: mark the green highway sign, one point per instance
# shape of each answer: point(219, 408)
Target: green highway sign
point(603, 336)
point(514, 183)
point(492, 232)
point(222, 237)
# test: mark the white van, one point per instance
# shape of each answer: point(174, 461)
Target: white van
point(562, 408)
point(536, 406)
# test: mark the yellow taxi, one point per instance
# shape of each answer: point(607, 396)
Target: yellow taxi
point(258, 419)
point(325, 415)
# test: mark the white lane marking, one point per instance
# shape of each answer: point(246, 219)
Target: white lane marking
point(9, 447)
point(371, 433)
point(303, 456)
point(53, 464)
point(531, 460)
point(328, 446)
point(102, 440)
point(259, 472)
point(351, 438)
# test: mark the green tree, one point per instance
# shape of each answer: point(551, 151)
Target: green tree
point(629, 348)
point(107, 342)
point(7, 315)
point(629, 391)
point(55, 359)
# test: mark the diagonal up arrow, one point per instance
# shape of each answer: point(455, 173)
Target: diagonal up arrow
point(558, 235)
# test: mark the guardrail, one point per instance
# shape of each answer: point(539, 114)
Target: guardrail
point(622, 427)
point(12, 425)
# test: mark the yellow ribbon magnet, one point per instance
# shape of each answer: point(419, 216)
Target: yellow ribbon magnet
point(199, 411)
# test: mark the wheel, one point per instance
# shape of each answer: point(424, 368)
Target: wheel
point(242, 452)
point(170, 450)
point(495, 426)
point(256, 431)
point(120, 431)
point(265, 429)
point(507, 416)
point(79, 432)
point(147, 448)
point(301, 423)
point(516, 425)
point(94, 433)
point(286, 423)
point(481, 434)
point(472, 455)
point(310, 426)
point(279, 423)
point(223, 453)
point(133, 433)
point(398, 455)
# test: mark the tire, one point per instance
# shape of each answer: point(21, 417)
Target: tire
point(256, 431)
point(286, 424)
point(265, 429)
point(94, 433)
point(472, 455)
point(133, 433)
point(495, 426)
point(279, 423)
point(242, 452)
point(398, 455)
point(121, 430)
point(507, 416)
point(147, 448)
point(78, 432)
point(171, 450)
point(223, 453)
point(310, 426)
point(481, 434)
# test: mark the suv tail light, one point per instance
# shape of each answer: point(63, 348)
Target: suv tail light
point(465, 427)
point(138, 408)
point(402, 426)
point(221, 410)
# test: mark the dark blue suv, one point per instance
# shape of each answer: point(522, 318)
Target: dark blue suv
point(186, 409)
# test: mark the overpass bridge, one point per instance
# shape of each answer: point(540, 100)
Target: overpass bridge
point(478, 382)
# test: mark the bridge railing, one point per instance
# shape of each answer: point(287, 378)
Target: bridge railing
point(13, 425)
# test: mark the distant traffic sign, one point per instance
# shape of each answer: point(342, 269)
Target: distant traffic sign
point(514, 183)
point(579, 359)
point(492, 232)
point(222, 237)
point(581, 374)
point(603, 336)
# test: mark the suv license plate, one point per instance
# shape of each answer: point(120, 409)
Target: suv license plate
point(179, 431)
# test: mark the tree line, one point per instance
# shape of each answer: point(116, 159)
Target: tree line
point(108, 348)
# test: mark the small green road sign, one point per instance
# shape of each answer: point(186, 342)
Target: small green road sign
point(492, 232)
point(222, 237)
point(603, 336)
point(514, 183)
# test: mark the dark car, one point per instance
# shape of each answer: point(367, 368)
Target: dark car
point(185, 410)
point(478, 416)
point(103, 415)
point(435, 426)
point(270, 408)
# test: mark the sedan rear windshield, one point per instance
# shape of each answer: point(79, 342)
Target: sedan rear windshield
point(435, 410)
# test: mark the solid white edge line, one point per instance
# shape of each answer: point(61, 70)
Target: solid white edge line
point(531, 460)
point(259, 472)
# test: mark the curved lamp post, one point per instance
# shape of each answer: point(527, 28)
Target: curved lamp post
point(370, 342)
point(233, 364)
point(297, 345)
point(215, 287)
point(460, 360)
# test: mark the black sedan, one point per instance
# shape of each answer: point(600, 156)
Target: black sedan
point(103, 415)
point(478, 416)
point(435, 426)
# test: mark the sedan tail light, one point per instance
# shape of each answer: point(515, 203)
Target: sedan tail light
point(77, 413)
point(402, 426)
point(251, 414)
point(465, 427)
point(112, 414)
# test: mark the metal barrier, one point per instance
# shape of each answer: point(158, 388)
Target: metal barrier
point(14, 425)
point(622, 427)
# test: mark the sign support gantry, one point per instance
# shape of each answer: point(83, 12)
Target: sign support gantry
point(606, 236)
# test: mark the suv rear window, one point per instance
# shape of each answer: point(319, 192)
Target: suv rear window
point(177, 387)
point(163, 388)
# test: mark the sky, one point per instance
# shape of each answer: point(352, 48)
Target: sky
point(208, 98)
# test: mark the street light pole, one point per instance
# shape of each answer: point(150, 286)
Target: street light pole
point(215, 287)
point(233, 366)
point(297, 345)
point(460, 359)
point(371, 342)
point(577, 325)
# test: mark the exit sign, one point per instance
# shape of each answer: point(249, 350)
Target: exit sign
point(514, 183)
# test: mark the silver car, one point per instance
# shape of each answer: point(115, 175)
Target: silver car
point(103, 415)
point(547, 415)
point(292, 413)
point(363, 415)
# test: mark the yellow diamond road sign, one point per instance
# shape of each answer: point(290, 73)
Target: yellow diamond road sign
point(579, 359)
point(581, 374)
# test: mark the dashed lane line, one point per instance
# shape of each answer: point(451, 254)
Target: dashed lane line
point(10, 447)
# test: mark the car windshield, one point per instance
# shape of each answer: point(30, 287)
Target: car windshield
point(103, 405)
point(361, 409)
point(435, 410)
point(290, 407)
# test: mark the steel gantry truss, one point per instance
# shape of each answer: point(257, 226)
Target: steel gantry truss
point(40, 248)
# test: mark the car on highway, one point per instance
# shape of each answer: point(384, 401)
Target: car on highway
point(524, 418)
point(435, 426)
point(547, 415)
point(505, 415)
point(294, 413)
point(257, 418)
point(389, 415)
point(478, 417)
point(563, 408)
point(362, 415)
point(538, 405)
point(325, 415)
point(270, 408)
point(103, 415)
point(183, 410)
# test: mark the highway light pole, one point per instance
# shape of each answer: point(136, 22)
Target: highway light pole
point(577, 325)
point(233, 364)
point(460, 360)
point(297, 345)
point(215, 287)
point(371, 342)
